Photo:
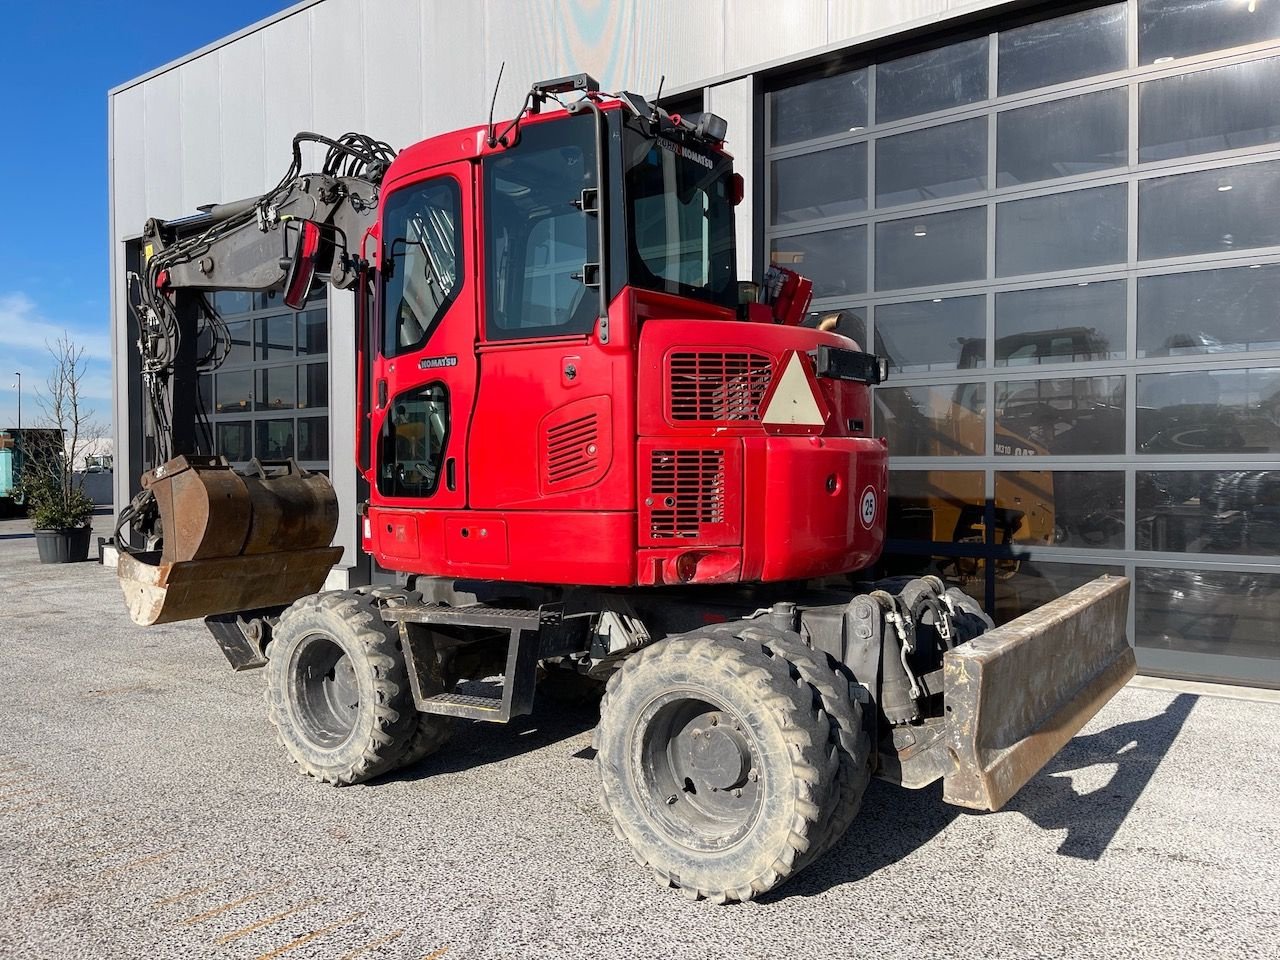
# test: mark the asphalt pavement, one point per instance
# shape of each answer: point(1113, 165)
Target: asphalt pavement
point(146, 811)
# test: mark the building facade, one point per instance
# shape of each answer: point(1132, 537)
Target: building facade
point(1060, 222)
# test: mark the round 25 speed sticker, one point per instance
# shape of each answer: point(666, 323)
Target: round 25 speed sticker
point(867, 507)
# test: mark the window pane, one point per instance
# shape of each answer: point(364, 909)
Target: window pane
point(241, 351)
point(1061, 324)
point(835, 260)
point(928, 164)
point(313, 385)
point(1168, 29)
point(849, 322)
point(1220, 612)
point(204, 386)
point(1065, 48)
point(1064, 508)
point(934, 505)
point(1232, 208)
point(313, 438)
point(932, 421)
point(277, 388)
point(1209, 411)
point(1062, 138)
point(412, 443)
point(313, 332)
point(936, 334)
point(1228, 511)
point(422, 237)
point(275, 337)
point(231, 302)
point(1083, 228)
point(275, 439)
point(1221, 109)
point(819, 108)
point(829, 183)
point(234, 440)
point(1068, 417)
point(933, 80)
point(1033, 583)
point(1209, 311)
point(933, 248)
point(234, 391)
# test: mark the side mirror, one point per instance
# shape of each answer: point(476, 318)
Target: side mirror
point(302, 266)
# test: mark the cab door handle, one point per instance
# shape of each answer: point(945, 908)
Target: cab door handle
point(382, 394)
point(451, 474)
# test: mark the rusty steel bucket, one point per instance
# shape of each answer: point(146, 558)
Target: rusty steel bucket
point(232, 541)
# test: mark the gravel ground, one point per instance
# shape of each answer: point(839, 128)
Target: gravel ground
point(146, 811)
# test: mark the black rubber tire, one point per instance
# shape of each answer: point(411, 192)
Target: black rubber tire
point(771, 709)
point(366, 739)
point(849, 746)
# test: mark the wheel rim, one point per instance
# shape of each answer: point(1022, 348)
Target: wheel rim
point(701, 769)
point(326, 691)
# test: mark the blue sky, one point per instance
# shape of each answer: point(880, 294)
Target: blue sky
point(57, 61)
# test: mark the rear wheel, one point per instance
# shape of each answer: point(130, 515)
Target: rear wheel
point(337, 691)
point(711, 758)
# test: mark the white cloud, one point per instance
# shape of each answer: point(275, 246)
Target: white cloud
point(23, 329)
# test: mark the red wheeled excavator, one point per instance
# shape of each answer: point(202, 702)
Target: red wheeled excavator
point(589, 451)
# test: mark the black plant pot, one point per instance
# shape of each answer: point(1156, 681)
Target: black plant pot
point(67, 545)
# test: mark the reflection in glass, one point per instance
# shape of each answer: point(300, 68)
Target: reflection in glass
point(1168, 29)
point(1209, 211)
point(1061, 417)
point(940, 334)
point(1209, 411)
point(241, 343)
point(204, 387)
point(1066, 48)
point(234, 390)
point(1064, 508)
point(1063, 231)
point(933, 80)
point(313, 438)
point(230, 302)
point(829, 183)
point(1070, 324)
point(929, 164)
point(1034, 583)
point(819, 108)
point(849, 322)
point(275, 439)
point(1062, 138)
point(935, 420)
point(313, 333)
point(1208, 612)
point(1221, 109)
point(931, 249)
point(313, 385)
point(275, 337)
point(1209, 311)
point(1222, 511)
point(277, 388)
point(234, 440)
point(835, 260)
point(936, 505)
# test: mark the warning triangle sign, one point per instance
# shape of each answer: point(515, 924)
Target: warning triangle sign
point(794, 400)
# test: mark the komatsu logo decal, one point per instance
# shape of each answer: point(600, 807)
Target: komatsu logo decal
point(431, 363)
point(680, 150)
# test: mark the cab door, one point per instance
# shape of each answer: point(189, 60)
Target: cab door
point(424, 379)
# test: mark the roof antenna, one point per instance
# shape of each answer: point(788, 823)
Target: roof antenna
point(492, 141)
point(661, 81)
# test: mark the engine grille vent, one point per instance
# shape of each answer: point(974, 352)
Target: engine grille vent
point(688, 491)
point(573, 448)
point(713, 386)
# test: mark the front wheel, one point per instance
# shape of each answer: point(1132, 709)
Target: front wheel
point(711, 757)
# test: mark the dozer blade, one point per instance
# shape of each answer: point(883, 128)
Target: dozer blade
point(1015, 695)
point(231, 541)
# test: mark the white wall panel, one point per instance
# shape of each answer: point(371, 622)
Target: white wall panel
point(337, 67)
point(683, 39)
point(733, 101)
point(521, 32)
point(455, 85)
point(393, 72)
point(201, 173)
point(756, 31)
point(162, 103)
point(851, 18)
point(593, 36)
point(287, 93)
point(244, 127)
point(128, 163)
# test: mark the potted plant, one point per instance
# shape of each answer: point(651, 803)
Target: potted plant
point(59, 509)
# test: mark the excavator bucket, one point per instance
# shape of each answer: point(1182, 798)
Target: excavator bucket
point(1015, 695)
point(232, 541)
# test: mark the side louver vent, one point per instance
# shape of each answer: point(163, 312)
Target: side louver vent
point(688, 489)
point(715, 386)
point(573, 448)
